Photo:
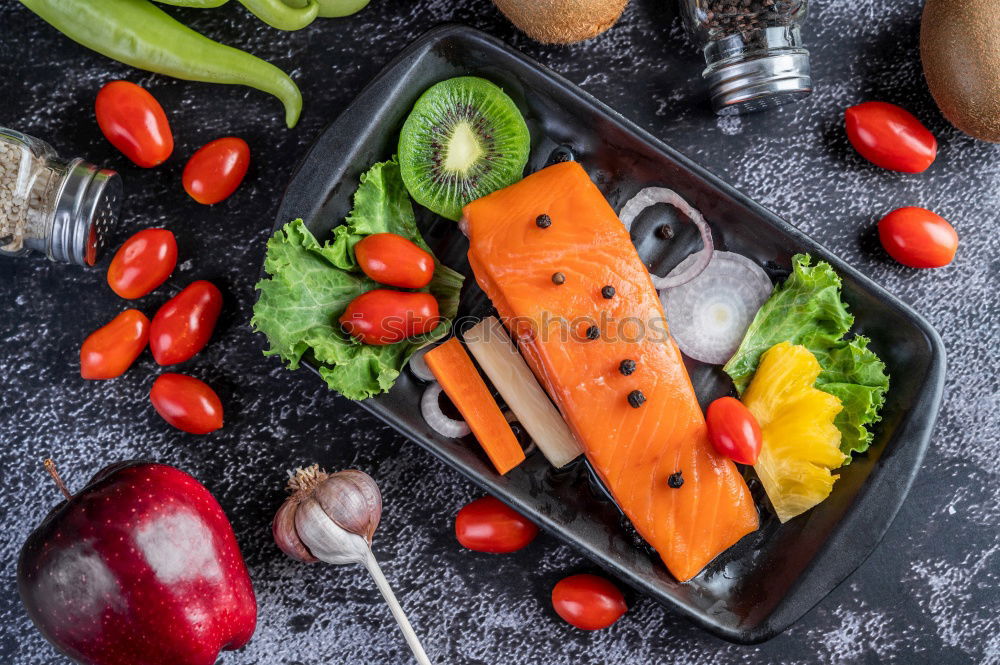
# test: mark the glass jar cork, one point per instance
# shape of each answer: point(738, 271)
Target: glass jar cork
point(753, 49)
point(60, 208)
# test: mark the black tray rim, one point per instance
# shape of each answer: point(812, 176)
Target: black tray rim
point(830, 567)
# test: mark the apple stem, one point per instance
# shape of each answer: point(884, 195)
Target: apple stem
point(50, 466)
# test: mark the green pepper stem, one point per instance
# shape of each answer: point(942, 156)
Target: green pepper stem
point(333, 8)
point(197, 4)
point(282, 16)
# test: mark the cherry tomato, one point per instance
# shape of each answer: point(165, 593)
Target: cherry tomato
point(394, 260)
point(182, 327)
point(890, 137)
point(110, 350)
point(187, 403)
point(588, 602)
point(134, 122)
point(216, 169)
point(487, 525)
point(733, 430)
point(142, 263)
point(918, 238)
point(383, 316)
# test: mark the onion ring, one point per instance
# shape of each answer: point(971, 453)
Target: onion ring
point(419, 366)
point(649, 197)
point(511, 418)
point(430, 407)
point(709, 316)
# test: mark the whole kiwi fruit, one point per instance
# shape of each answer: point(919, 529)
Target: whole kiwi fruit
point(562, 21)
point(960, 51)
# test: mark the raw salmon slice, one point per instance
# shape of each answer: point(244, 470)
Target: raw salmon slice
point(634, 441)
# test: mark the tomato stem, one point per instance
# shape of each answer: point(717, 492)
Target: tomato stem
point(50, 466)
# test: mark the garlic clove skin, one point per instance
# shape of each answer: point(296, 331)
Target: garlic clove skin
point(285, 535)
point(352, 500)
point(325, 539)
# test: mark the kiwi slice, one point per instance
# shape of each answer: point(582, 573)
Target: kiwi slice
point(463, 139)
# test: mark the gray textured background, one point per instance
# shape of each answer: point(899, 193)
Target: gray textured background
point(929, 594)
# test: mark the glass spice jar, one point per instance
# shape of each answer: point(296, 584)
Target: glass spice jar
point(60, 208)
point(754, 51)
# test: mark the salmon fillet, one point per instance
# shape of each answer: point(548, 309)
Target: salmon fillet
point(634, 447)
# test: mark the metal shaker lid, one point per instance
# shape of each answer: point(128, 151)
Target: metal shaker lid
point(760, 83)
point(85, 210)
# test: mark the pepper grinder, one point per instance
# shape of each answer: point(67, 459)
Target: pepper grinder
point(57, 207)
point(753, 49)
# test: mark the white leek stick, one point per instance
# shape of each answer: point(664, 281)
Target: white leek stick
point(506, 369)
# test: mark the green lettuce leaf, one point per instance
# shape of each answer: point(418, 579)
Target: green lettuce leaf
point(310, 285)
point(807, 309)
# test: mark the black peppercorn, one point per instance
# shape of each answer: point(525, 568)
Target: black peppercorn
point(593, 332)
point(608, 292)
point(626, 366)
point(636, 399)
point(675, 480)
point(747, 17)
point(543, 221)
point(558, 278)
point(665, 232)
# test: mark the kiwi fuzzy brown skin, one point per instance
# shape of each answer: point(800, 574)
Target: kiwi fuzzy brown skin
point(960, 51)
point(562, 21)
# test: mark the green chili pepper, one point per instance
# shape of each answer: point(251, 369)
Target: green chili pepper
point(333, 8)
point(141, 35)
point(198, 4)
point(282, 16)
point(338, 8)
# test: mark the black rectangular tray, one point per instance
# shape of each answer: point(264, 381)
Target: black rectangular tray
point(769, 579)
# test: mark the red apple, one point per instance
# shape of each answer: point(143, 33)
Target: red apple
point(141, 567)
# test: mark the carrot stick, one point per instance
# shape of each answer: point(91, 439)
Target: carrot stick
point(452, 367)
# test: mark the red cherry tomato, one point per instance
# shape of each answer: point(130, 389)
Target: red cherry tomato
point(383, 316)
point(733, 430)
point(142, 263)
point(918, 238)
point(186, 403)
point(182, 327)
point(216, 169)
point(110, 350)
point(134, 122)
point(588, 602)
point(890, 137)
point(487, 525)
point(394, 260)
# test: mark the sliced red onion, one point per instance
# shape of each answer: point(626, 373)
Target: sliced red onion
point(419, 366)
point(709, 315)
point(512, 418)
point(649, 197)
point(430, 407)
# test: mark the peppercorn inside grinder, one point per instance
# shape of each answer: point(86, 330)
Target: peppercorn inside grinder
point(753, 49)
point(63, 209)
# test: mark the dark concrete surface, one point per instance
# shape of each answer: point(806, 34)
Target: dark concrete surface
point(929, 594)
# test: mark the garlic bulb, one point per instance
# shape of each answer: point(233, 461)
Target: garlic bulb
point(332, 518)
point(333, 510)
